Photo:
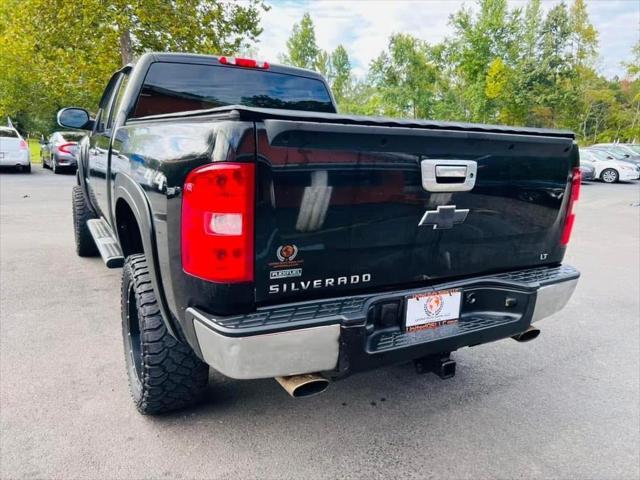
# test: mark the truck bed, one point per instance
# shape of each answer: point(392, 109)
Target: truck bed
point(242, 112)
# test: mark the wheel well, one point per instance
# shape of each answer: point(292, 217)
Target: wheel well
point(128, 229)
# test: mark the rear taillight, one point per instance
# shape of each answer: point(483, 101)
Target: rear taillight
point(66, 147)
point(576, 179)
point(243, 62)
point(217, 222)
point(23, 145)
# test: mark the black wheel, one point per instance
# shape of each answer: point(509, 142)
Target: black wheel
point(609, 175)
point(27, 169)
point(164, 374)
point(44, 163)
point(85, 246)
point(55, 168)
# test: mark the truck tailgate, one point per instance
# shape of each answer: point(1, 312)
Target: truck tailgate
point(341, 207)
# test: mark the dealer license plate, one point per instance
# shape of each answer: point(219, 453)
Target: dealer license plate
point(432, 309)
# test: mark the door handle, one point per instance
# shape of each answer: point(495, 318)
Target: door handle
point(448, 175)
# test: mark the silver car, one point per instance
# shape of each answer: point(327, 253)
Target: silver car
point(619, 151)
point(59, 152)
point(607, 168)
point(14, 151)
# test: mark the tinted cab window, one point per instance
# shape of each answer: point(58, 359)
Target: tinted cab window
point(178, 87)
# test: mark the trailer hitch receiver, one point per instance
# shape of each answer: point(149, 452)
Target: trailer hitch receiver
point(440, 364)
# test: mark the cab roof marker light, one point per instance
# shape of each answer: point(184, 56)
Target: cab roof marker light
point(243, 62)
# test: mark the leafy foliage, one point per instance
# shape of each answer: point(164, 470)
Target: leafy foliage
point(302, 49)
point(57, 53)
point(515, 66)
point(507, 65)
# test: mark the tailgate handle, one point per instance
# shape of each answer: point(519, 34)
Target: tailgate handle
point(448, 175)
point(453, 171)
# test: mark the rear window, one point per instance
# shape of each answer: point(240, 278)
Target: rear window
point(179, 87)
point(5, 133)
point(599, 154)
point(72, 136)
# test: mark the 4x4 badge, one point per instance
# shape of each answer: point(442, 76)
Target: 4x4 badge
point(445, 216)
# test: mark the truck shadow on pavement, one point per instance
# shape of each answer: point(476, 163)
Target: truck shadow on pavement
point(394, 392)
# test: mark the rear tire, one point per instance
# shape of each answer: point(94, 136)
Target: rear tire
point(609, 175)
point(85, 245)
point(164, 374)
point(55, 168)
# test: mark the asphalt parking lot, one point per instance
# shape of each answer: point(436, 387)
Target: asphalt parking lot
point(564, 406)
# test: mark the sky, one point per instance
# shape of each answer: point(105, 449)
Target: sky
point(364, 26)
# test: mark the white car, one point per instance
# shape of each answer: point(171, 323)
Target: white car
point(14, 151)
point(621, 148)
point(608, 169)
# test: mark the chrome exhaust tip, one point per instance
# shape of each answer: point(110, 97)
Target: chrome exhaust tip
point(529, 334)
point(307, 385)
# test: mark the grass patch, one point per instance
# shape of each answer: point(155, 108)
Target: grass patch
point(34, 150)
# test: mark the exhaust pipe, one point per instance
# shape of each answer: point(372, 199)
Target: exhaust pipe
point(306, 385)
point(529, 334)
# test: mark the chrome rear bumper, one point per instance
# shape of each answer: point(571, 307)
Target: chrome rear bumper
point(281, 354)
point(553, 298)
point(325, 335)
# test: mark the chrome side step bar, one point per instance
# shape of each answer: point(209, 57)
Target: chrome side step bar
point(106, 242)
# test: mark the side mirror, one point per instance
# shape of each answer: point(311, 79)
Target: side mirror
point(74, 117)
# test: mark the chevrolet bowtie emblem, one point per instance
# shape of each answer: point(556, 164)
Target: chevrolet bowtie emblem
point(443, 217)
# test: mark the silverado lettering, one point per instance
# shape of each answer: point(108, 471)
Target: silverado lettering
point(319, 283)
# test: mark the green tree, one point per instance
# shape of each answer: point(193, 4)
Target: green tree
point(555, 64)
point(482, 39)
point(584, 36)
point(341, 73)
point(63, 52)
point(405, 77)
point(633, 67)
point(302, 49)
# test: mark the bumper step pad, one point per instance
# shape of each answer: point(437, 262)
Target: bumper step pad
point(351, 310)
point(392, 340)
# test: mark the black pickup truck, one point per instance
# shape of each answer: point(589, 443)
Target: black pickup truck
point(265, 235)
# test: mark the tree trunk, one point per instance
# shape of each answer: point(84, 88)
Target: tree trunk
point(125, 47)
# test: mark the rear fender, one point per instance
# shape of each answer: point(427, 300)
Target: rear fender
point(126, 189)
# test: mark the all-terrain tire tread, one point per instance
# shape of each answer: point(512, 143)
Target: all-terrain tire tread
point(172, 376)
point(85, 245)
